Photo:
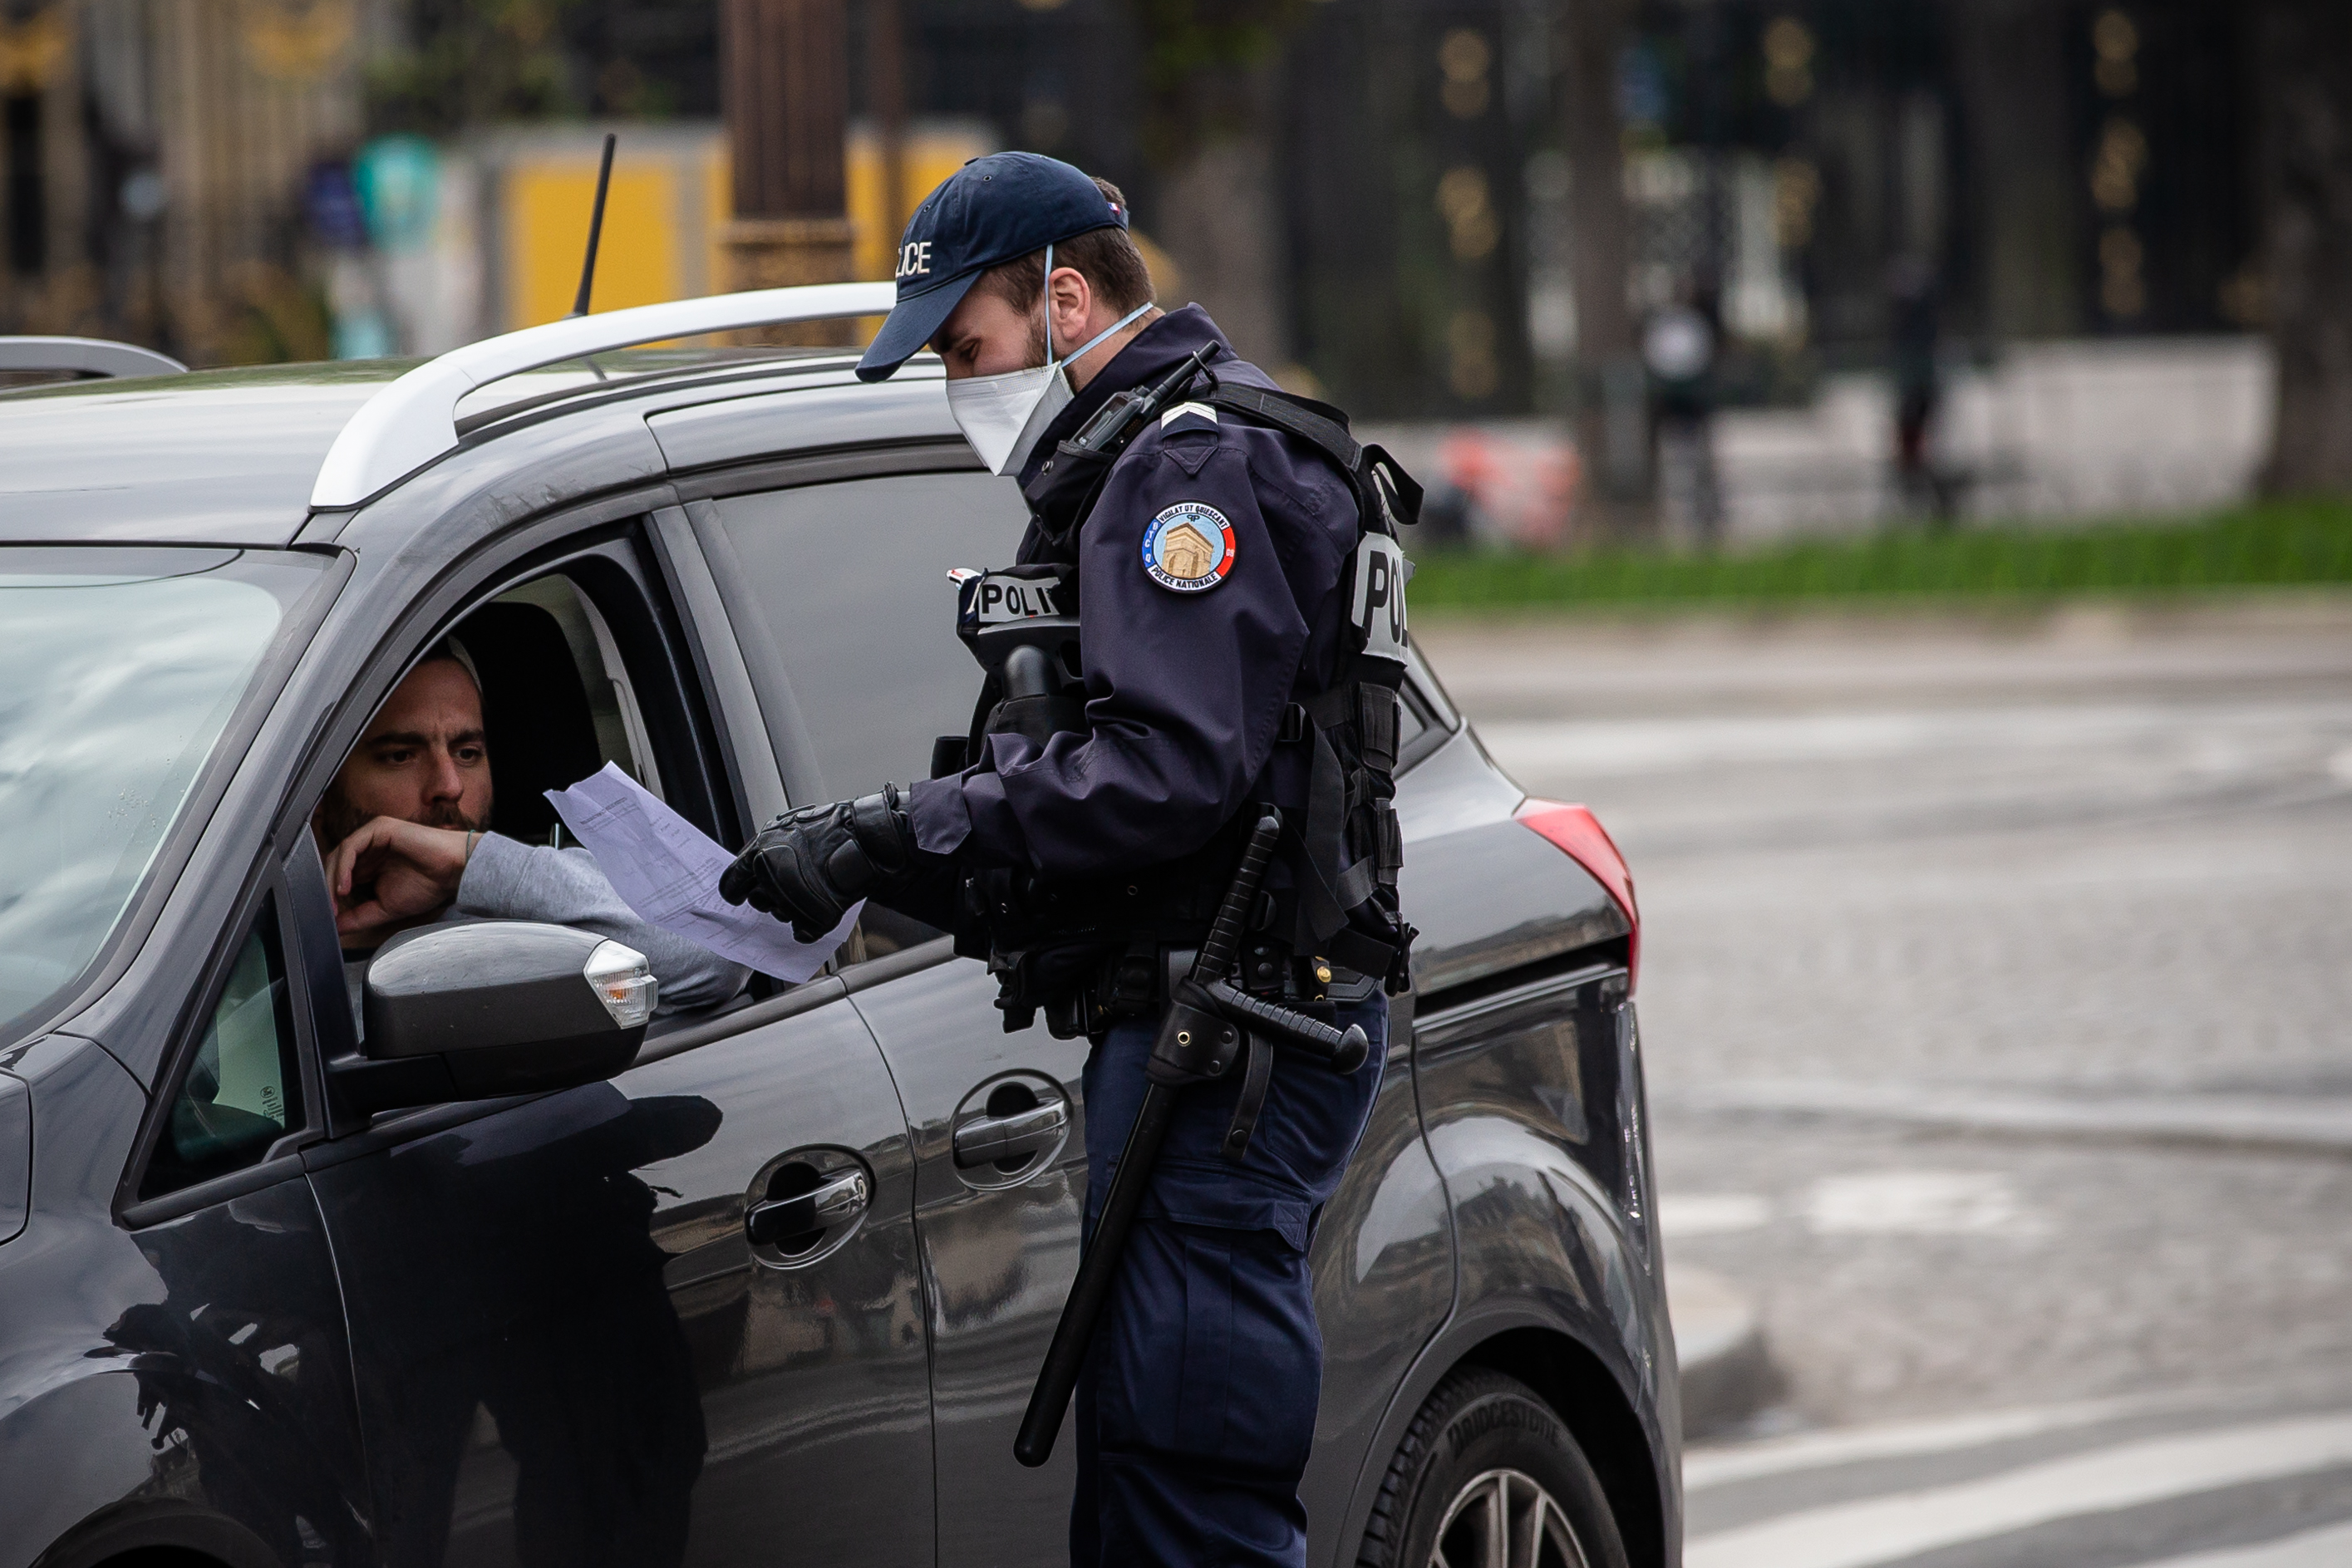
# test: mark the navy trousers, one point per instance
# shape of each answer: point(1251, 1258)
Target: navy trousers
point(1195, 1407)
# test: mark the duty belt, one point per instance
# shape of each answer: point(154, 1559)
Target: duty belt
point(1139, 982)
point(1134, 983)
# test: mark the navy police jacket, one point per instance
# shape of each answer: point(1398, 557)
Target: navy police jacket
point(1211, 593)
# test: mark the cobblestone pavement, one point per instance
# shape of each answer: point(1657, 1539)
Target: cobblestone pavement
point(2090, 852)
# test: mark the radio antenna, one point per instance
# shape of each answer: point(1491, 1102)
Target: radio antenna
point(595, 229)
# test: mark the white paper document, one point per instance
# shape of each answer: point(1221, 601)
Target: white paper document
point(665, 869)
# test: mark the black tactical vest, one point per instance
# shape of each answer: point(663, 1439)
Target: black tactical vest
point(1024, 625)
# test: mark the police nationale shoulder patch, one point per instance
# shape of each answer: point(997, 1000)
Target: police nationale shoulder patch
point(1189, 547)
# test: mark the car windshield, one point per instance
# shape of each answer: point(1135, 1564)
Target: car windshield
point(125, 665)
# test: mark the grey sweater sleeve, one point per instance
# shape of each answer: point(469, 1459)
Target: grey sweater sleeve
point(509, 881)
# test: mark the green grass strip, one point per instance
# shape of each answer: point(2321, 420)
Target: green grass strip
point(2272, 544)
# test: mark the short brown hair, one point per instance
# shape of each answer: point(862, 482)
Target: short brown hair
point(1105, 258)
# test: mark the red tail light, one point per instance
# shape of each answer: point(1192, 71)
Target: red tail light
point(1577, 831)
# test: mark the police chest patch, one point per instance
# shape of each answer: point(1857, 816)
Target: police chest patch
point(1189, 547)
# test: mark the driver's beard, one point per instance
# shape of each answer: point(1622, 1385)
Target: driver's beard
point(339, 819)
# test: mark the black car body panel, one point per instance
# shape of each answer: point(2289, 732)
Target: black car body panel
point(201, 1359)
point(576, 1267)
point(414, 1337)
point(998, 1245)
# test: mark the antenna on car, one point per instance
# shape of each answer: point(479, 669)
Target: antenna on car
point(595, 229)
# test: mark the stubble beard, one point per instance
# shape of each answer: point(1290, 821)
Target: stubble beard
point(339, 819)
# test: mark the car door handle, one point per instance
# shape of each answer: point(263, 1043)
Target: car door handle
point(834, 1202)
point(984, 1140)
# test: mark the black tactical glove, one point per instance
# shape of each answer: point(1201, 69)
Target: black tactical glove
point(809, 866)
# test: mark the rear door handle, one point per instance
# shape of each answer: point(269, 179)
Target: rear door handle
point(986, 1140)
point(834, 1202)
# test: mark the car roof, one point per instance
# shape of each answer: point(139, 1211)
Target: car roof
point(214, 457)
point(230, 457)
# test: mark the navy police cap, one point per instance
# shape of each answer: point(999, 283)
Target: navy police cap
point(993, 210)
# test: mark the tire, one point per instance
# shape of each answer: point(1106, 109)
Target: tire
point(1485, 1441)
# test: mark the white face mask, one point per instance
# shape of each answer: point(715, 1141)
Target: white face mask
point(1003, 415)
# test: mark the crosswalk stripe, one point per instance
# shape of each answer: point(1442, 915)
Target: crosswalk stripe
point(2326, 1548)
point(1887, 1529)
point(1712, 1466)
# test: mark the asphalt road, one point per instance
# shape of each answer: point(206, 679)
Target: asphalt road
point(1997, 992)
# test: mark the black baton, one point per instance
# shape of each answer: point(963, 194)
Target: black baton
point(1198, 1042)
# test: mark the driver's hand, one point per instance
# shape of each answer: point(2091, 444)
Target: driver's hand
point(392, 872)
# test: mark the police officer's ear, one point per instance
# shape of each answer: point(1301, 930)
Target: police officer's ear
point(1071, 298)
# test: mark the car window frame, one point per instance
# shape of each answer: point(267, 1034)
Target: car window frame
point(742, 728)
point(266, 895)
point(621, 537)
point(618, 561)
point(690, 600)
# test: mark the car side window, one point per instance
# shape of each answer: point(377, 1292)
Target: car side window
point(1412, 724)
point(242, 1091)
point(853, 579)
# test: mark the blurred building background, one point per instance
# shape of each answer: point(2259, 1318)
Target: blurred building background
point(1880, 257)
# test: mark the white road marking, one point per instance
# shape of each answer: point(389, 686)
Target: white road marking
point(1916, 1203)
point(1902, 1525)
point(1602, 747)
point(2326, 1548)
point(1711, 1213)
point(2321, 1122)
point(1708, 1467)
point(1879, 1203)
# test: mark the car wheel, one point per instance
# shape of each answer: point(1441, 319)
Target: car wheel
point(1488, 1476)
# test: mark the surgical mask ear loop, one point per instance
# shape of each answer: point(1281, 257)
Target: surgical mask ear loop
point(1094, 342)
point(1045, 305)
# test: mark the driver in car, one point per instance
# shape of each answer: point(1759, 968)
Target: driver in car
point(404, 829)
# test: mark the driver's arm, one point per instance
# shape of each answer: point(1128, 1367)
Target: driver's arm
point(504, 880)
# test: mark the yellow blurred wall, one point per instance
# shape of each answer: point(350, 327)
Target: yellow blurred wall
point(547, 206)
point(669, 202)
point(930, 158)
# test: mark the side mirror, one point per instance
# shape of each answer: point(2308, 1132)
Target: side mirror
point(502, 1007)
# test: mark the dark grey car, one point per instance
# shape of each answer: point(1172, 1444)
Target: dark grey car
point(774, 1290)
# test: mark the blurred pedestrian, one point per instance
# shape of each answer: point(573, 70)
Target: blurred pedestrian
point(1679, 348)
point(1454, 510)
point(1918, 390)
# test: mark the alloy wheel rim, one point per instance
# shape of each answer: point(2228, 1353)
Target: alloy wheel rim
point(1504, 1519)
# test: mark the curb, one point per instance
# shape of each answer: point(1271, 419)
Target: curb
point(1726, 1374)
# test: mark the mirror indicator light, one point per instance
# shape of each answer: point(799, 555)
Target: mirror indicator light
point(623, 981)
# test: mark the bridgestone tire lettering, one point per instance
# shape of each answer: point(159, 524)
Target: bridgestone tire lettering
point(1478, 1421)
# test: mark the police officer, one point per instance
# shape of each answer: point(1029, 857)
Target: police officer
point(1211, 567)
